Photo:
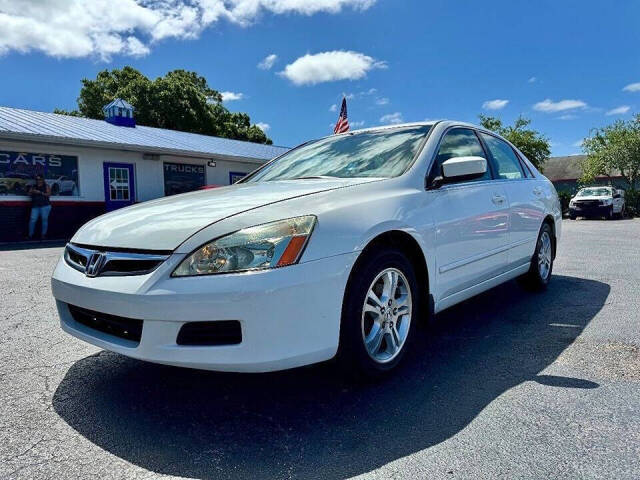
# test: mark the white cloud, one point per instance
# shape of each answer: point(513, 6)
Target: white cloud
point(621, 110)
point(231, 96)
point(356, 124)
point(577, 143)
point(333, 108)
point(532, 80)
point(329, 67)
point(632, 87)
point(103, 28)
point(263, 126)
point(371, 91)
point(392, 118)
point(568, 116)
point(550, 106)
point(382, 101)
point(268, 62)
point(496, 104)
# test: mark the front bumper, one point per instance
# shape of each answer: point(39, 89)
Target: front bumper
point(289, 316)
point(590, 211)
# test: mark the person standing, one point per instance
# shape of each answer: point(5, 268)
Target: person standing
point(40, 206)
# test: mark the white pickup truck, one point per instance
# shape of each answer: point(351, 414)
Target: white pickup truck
point(605, 202)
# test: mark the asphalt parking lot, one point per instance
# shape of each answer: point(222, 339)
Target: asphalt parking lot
point(509, 384)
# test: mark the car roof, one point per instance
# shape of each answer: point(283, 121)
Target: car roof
point(446, 123)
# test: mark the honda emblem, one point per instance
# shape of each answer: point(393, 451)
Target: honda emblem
point(95, 264)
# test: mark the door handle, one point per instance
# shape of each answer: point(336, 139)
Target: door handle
point(498, 199)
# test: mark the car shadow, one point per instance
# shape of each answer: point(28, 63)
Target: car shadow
point(309, 422)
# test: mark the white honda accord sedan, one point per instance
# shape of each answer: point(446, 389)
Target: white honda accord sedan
point(337, 248)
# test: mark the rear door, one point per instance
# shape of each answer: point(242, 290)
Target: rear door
point(471, 219)
point(526, 199)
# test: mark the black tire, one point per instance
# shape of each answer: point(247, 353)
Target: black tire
point(572, 217)
point(534, 279)
point(353, 356)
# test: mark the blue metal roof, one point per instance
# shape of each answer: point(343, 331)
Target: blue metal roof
point(19, 124)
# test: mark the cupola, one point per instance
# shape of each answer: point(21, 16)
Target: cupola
point(119, 112)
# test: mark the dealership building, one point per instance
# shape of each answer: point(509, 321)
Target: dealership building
point(93, 166)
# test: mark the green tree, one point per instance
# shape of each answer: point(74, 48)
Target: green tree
point(530, 142)
point(611, 149)
point(180, 100)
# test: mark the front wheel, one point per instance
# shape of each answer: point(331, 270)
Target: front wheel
point(379, 314)
point(539, 273)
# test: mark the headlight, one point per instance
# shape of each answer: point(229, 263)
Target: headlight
point(271, 245)
point(572, 202)
point(607, 201)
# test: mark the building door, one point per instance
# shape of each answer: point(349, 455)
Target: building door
point(119, 185)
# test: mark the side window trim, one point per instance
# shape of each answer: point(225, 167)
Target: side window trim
point(492, 171)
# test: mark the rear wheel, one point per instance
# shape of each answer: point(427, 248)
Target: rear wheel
point(379, 314)
point(539, 273)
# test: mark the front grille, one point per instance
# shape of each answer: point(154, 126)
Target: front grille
point(588, 203)
point(75, 257)
point(94, 261)
point(224, 332)
point(121, 327)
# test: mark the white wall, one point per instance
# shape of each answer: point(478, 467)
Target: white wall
point(149, 174)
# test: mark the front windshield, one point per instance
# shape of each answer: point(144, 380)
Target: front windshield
point(381, 154)
point(595, 192)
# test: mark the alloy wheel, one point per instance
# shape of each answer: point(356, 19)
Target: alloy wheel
point(386, 315)
point(544, 256)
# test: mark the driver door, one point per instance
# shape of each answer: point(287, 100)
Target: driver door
point(471, 219)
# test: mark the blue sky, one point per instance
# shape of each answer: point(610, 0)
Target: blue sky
point(564, 64)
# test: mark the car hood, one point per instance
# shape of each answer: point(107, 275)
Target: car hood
point(165, 223)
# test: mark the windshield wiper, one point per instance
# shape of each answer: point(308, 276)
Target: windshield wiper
point(312, 177)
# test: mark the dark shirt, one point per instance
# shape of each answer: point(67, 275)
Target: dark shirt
point(37, 199)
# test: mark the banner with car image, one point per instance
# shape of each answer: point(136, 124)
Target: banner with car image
point(19, 169)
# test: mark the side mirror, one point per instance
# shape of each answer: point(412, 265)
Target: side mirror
point(460, 168)
point(617, 195)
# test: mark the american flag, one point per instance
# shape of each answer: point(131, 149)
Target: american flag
point(343, 124)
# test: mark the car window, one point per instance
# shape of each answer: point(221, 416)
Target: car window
point(506, 163)
point(527, 170)
point(458, 142)
point(595, 192)
point(381, 153)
